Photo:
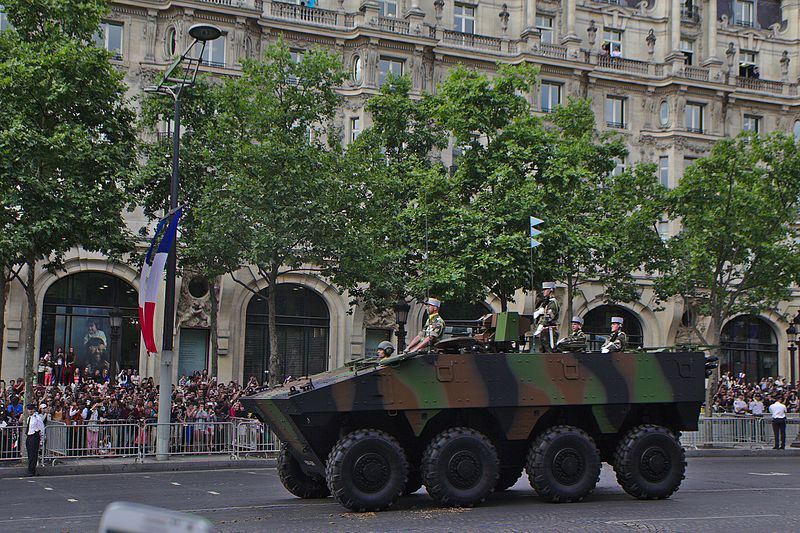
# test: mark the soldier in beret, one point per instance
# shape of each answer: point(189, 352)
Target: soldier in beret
point(576, 341)
point(433, 329)
point(617, 341)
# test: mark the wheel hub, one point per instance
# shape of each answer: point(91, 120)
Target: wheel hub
point(464, 469)
point(568, 466)
point(371, 472)
point(655, 464)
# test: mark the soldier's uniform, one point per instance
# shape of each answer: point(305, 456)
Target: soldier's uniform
point(618, 340)
point(546, 321)
point(576, 341)
point(434, 328)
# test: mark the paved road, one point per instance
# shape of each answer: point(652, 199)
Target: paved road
point(720, 494)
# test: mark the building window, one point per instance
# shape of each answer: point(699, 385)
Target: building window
point(171, 41)
point(388, 66)
point(663, 114)
point(355, 128)
point(297, 58)
point(615, 112)
point(612, 42)
point(357, 68)
point(796, 130)
point(687, 47)
point(387, 8)
point(752, 123)
point(550, 97)
point(689, 10)
point(748, 64)
point(464, 18)
point(749, 347)
point(620, 166)
point(373, 338)
point(694, 118)
point(663, 229)
point(110, 38)
point(214, 53)
point(3, 19)
point(743, 13)
point(663, 170)
point(545, 27)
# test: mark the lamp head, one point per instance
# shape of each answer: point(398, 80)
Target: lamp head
point(204, 32)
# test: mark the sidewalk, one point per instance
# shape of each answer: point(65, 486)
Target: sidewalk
point(73, 467)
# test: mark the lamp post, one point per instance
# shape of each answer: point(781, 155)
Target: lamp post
point(115, 317)
point(180, 75)
point(401, 308)
point(791, 335)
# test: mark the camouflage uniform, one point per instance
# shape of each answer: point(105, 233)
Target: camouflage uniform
point(549, 322)
point(616, 342)
point(576, 342)
point(434, 328)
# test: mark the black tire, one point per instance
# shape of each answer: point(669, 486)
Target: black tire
point(650, 462)
point(367, 470)
point(563, 464)
point(298, 482)
point(508, 477)
point(460, 467)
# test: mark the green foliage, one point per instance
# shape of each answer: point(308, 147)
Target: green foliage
point(737, 250)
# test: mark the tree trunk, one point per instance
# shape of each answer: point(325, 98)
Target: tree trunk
point(30, 334)
point(503, 303)
point(712, 338)
point(570, 295)
point(4, 283)
point(275, 376)
point(214, 327)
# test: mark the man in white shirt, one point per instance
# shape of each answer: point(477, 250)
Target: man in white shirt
point(739, 407)
point(757, 406)
point(35, 430)
point(778, 412)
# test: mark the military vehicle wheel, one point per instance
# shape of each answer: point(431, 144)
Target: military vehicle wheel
point(508, 478)
point(563, 464)
point(460, 467)
point(298, 482)
point(367, 470)
point(650, 462)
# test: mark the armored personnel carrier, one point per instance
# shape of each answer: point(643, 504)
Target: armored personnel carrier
point(467, 424)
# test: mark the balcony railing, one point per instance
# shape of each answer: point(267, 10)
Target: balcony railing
point(470, 40)
point(323, 17)
point(210, 63)
point(551, 50)
point(255, 5)
point(633, 66)
point(694, 130)
point(757, 84)
point(694, 73)
point(743, 23)
point(391, 24)
point(615, 125)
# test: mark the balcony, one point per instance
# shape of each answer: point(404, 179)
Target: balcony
point(254, 5)
point(632, 66)
point(551, 50)
point(759, 85)
point(470, 40)
point(391, 24)
point(695, 130)
point(322, 17)
point(615, 125)
point(743, 23)
point(694, 73)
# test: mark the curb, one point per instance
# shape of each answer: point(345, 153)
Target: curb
point(742, 452)
point(72, 469)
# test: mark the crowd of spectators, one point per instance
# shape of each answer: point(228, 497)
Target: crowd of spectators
point(197, 402)
point(737, 395)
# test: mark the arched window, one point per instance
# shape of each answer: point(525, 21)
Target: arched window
point(749, 346)
point(303, 324)
point(75, 314)
point(597, 326)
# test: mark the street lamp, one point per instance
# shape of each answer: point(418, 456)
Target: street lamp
point(180, 75)
point(401, 308)
point(791, 334)
point(115, 317)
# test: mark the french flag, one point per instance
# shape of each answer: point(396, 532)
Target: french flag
point(152, 272)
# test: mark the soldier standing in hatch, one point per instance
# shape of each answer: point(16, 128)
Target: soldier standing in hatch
point(546, 319)
point(576, 341)
point(433, 329)
point(617, 341)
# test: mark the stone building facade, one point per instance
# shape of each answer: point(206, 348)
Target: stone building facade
point(672, 76)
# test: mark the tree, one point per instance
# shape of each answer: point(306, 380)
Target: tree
point(737, 249)
point(197, 256)
point(279, 203)
point(600, 226)
point(66, 142)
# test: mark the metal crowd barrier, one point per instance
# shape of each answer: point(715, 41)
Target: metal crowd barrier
point(10, 443)
point(94, 439)
point(253, 437)
point(738, 431)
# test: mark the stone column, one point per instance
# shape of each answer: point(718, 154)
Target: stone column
point(530, 15)
point(150, 32)
point(711, 35)
point(675, 26)
point(569, 16)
